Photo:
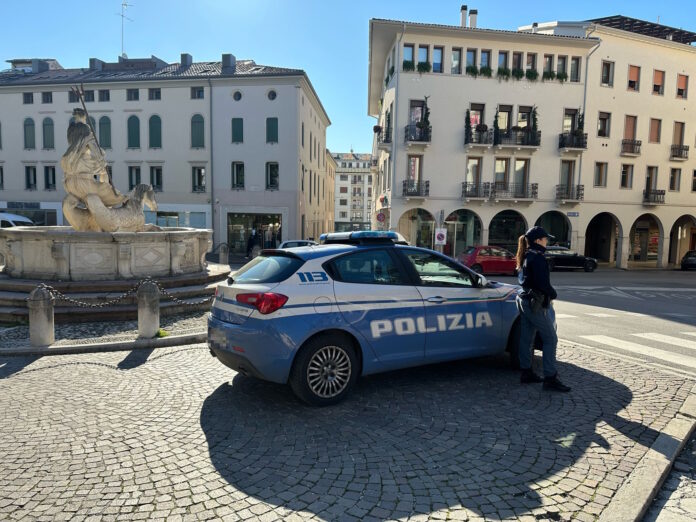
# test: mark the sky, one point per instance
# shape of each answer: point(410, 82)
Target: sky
point(326, 38)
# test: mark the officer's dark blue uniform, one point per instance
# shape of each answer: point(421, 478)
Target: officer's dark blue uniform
point(536, 311)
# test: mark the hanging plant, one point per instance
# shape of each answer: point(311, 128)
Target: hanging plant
point(486, 71)
point(532, 75)
point(409, 65)
point(424, 67)
point(503, 73)
point(472, 70)
point(517, 74)
point(548, 75)
point(562, 77)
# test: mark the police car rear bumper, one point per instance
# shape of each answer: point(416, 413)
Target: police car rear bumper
point(249, 351)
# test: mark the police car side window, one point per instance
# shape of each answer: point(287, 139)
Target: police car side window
point(372, 267)
point(5, 224)
point(436, 271)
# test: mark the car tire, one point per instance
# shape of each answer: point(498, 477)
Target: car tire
point(477, 268)
point(513, 345)
point(325, 370)
point(589, 266)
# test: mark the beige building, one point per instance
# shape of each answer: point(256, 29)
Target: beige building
point(354, 189)
point(579, 127)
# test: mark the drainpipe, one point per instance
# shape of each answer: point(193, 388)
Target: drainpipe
point(395, 134)
point(584, 96)
point(212, 182)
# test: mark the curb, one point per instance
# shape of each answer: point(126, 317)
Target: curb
point(638, 491)
point(158, 342)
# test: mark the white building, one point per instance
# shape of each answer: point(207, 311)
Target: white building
point(228, 145)
point(574, 102)
point(354, 186)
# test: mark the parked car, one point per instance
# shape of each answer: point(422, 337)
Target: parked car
point(489, 260)
point(562, 257)
point(297, 243)
point(689, 260)
point(13, 220)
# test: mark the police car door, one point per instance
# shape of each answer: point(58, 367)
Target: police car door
point(378, 300)
point(462, 320)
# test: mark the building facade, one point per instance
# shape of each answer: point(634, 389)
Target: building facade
point(222, 143)
point(354, 189)
point(488, 132)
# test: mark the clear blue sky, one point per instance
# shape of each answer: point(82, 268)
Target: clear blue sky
point(326, 38)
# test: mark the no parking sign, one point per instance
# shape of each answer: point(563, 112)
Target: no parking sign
point(440, 236)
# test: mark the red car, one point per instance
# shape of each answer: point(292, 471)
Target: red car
point(489, 260)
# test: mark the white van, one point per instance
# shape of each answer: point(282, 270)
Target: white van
point(13, 220)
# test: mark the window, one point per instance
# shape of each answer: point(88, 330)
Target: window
point(89, 96)
point(630, 127)
point(46, 97)
point(408, 52)
point(343, 202)
point(600, 174)
point(238, 130)
point(48, 141)
point(651, 178)
point(237, 175)
point(548, 63)
point(272, 95)
point(198, 179)
point(344, 177)
point(155, 127)
point(517, 60)
point(531, 61)
point(105, 132)
point(343, 190)
point(675, 179)
point(476, 114)
point(28, 98)
point(501, 171)
point(633, 78)
point(575, 69)
point(132, 94)
point(658, 82)
point(470, 57)
point(344, 215)
point(156, 178)
point(104, 95)
point(369, 267)
point(237, 96)
point(30, 177)
point(502, 59)
point(154, 93)
point(504, 117)
point(604, 124)
point(655, 130)
point(72, 97)
point(485, 58)
point(133, 176)
point(521, 174)
point(456, 61)
point(524, 116)
point(682, 85)
point(437, 59)
point(272, 181)
point(607, 73)
point(272, 132)
point(197, 132)
point(434, 270)
point(422, 53)
point(562, 65)
point(197, 93)
point(133, 132)
point(473, 171)
point(29, 137)
point(50, 177)
point(626, 176)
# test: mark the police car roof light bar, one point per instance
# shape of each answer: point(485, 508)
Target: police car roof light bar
point(360, 237)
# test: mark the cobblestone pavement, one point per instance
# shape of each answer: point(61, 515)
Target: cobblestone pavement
point(172, 434)
point(676, 502)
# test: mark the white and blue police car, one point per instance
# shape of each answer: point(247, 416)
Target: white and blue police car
point(318, 317)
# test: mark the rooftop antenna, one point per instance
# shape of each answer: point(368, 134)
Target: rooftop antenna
point(122, 14)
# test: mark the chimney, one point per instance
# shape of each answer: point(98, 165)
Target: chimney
point(95, 64)
point(229, 64)
point(535, 27)
point(473, 14)
point(464, 9)
point(186, 60)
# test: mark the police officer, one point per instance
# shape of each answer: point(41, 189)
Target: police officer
point(536, 310)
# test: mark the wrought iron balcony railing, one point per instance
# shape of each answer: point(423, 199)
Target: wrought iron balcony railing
point(631, 146)
point(417, 132)
point(416, 188)
point(654, 197)
point(475, 190)
point(571, 140)
point(384, 137)
point(570, 192)
point(501, 190)
point(524, 137)
point(679, 152)
point(479, 138)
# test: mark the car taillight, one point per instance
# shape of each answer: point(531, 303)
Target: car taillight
point(265, 303)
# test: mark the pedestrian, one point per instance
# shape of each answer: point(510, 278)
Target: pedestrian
point(534, 301)
point(250, 243)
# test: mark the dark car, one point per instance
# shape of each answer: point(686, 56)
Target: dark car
point(561, 257)
point(689, 260)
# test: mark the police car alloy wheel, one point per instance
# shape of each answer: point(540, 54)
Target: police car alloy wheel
point(325, 370)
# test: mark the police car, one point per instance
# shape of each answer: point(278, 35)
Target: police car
point(319, 317)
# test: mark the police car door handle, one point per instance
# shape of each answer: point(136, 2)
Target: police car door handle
point(436, 299)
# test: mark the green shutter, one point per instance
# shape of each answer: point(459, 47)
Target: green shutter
point(48, 141)
point(29, 141)
point(271, 130)
point(133, 132)
point(197, 132)
point(105, 132)
point(155, 132)
point(237, 130)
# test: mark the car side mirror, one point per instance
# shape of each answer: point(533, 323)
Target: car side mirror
point(482, 281)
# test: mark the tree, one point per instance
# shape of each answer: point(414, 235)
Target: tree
point(468, 132)
point(496, 129)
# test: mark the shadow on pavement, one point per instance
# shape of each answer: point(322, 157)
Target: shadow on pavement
point(11, 365)
point(414, 441)
point(135, 358)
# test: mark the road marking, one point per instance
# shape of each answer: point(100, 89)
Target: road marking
point(656, 353)
point(689, 333)
point(599, 314)
point(667, 339)
point(565, 316)
point(635, 314)
point(677, 315)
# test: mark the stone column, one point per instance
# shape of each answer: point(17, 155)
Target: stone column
point(224, 255)
point(148, 310)
point(41, 325)
point(662, 252)
point(623, 252)
point(484, 236)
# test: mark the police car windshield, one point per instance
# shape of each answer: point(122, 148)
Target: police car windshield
point(268, 269)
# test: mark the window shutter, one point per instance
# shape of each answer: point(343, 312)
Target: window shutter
point(29, 141)
point(271, 130)
point(237, 130)
point(48, 141)
point(655, 131)
point(197, 132)
point(630, 128)
point(155, 132)
point(133, 132)
point(105, 132)
point(633, 73)
point(659, 78)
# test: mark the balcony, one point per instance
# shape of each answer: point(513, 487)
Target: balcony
point(570, 193)
point(518, 139)
point(679, 153)
point(416, 189)
point(572, 142)
point(653, 197)
point(384, 140)
point(418, 135)
point(482, 139)
point(514, 191)
point(374, 165)
point(630, 148)
point(471, 190)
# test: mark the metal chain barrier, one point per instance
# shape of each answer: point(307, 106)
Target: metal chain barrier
point(174, 298)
